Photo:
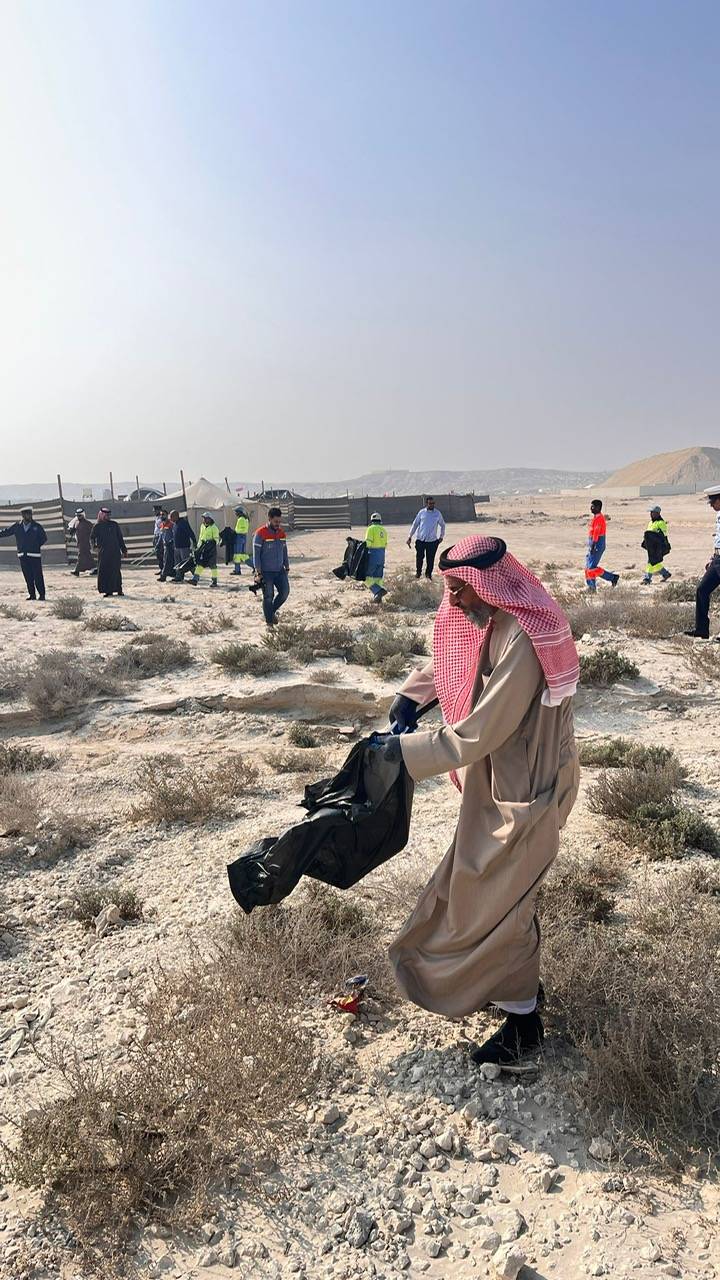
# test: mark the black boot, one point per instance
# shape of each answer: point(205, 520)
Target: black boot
point(521, 1033)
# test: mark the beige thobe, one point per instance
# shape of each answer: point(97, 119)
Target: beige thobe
point(473, 936)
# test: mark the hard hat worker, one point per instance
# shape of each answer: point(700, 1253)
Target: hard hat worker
point(376, 542)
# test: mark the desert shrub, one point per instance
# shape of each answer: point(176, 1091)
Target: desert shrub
point(67, 607)
point(375, 644)
point(623, 793)
point(61, 833)
point(151, 654)
point(650, 617)
point(100, 621)
point(616, 753)
point(15, 613)
point(304, 643)
point(669, 830)
point(326, 675)
point(59, 681)
point(604, 666)
point(88, 903)
point(209, 1091)
point(205, 624)
point(640, 1004)
point(704, 660)
point(12, 682)
point(325, 604)
point(392, 668)
point(247, 659)
point(680, 591)
point(406, 592)
point(300, 761)
point(301, 735)
point(582, 887)
point(19, 806)
point(175, 792)
point(15, 757)
point(323, 937)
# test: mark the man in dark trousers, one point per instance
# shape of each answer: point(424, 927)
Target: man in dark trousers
point(711, 578)
point(29, 537)
point(428, 528)
point(270, 563)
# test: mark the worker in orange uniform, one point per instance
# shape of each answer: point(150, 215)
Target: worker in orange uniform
point(597, 532)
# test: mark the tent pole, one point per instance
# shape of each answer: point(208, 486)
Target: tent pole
point(182, 484)
point(137, 489)
point(112, 489)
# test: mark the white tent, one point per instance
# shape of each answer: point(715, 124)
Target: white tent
point(203, 495)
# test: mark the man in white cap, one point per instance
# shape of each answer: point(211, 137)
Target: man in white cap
point(711, 578)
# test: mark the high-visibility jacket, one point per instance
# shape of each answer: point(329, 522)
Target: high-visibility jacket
point(597, 528)
point(376, 537)
point(242, 524)
point(208, 533)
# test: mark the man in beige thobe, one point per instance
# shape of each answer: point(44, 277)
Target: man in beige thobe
point(473, 937)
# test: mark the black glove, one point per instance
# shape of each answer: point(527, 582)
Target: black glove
point(403, 714)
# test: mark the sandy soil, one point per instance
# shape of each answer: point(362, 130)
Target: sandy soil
point(404, 1064)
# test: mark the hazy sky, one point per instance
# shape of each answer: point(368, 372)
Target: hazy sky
point(309, 238)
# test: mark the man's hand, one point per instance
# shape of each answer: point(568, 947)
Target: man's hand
point(388, 746)
point(403, 714)
point(409, 542)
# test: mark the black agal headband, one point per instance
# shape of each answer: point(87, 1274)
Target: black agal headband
point(483, 560)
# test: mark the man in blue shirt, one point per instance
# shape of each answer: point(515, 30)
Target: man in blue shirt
point(30, 538)
point(429, 530)
point(271, 566)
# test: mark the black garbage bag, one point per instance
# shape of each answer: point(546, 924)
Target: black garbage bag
point(355, 560)
point(355, 822)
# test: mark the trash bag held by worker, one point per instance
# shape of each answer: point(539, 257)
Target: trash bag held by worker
point(355, 822)
point(355, 560)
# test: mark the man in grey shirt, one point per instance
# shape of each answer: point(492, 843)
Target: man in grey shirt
point(429, 530)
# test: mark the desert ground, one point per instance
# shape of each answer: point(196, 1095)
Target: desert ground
point(397, 1157)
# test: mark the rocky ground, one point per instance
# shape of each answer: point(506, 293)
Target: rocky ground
point(409, 1161)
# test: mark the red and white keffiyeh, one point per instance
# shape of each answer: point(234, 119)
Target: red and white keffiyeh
point(509, 586)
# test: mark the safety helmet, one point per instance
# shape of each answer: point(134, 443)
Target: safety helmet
point(208, 515)
point(376, 518)
point(239, 511)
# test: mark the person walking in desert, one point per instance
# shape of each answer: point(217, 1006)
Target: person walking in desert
point(504, 669)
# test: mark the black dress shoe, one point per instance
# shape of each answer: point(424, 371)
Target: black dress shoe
point(521, 1033)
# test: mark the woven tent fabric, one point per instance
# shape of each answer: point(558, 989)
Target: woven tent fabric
point(510, 586)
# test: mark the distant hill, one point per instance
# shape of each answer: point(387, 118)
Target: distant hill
point(376, 483)
point(498, 481)
point(698, 466)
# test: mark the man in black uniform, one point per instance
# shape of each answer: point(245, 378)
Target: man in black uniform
point(29, 537)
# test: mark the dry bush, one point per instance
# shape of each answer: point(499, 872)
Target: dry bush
point(680, 591)
point(616, 753)
point(622, 793)
point(15, 757)
point(326, 676)
point(88, 903)
point(19, 806)
point(151, 654)
point(212, 622)
point(60, 680)
point(68, 607)
point(300, 761)
point(304, 642)
point(325, 604)
point(605, 666)
point(394, 667)
point(582, 887)
point(301, 735)
point(210, 1091)
point(642, 803)
point(704, 660)
point(100, 621)
point(247, 659)
point(175, 792)
point(325, 936)
point(12, 682)
point(375, 644)
point(406, 592)
point(641, 1006)
point(649, 617)
point(61, 833)
point(15, 613)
